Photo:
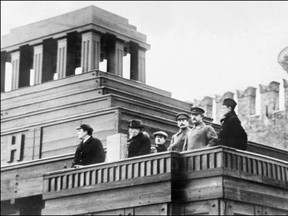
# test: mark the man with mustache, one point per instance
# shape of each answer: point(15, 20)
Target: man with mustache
point(201, 135)
point(177, 140)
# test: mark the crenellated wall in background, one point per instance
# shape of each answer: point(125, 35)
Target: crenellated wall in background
point(267, 125)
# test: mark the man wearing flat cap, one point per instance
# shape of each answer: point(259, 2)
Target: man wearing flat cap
point(232, 133)
point(160, 141)
point(138, 143)
point(90, 150)
point(178, 139)
point(200, 135)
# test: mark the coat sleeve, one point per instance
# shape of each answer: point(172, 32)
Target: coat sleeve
point(145, 146)
point(185, 144)
point(211, 136)
point(239, 131)
point(76, 157)
point(98, 152)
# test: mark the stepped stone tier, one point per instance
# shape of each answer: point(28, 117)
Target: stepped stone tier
point(81, 38)
point(38, 132)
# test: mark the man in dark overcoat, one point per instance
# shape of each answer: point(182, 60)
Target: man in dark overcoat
point(138, 143)
point(232, 133)
point(90, 150)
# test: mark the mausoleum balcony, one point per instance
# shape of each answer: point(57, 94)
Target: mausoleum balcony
point(172, 180)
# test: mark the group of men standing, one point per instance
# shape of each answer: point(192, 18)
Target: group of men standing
point(200, 135)
point(188, 138)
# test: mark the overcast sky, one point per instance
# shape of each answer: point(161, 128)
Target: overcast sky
point(198, 49)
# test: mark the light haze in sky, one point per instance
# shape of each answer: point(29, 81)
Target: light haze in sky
point(198, 49)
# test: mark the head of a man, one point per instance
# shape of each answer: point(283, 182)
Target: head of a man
point(182, 120)
point(197, 115)
point(228, 106)
point(135, 126)
point(83, 131)
point(160, 137)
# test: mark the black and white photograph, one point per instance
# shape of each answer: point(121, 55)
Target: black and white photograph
point(144, 108)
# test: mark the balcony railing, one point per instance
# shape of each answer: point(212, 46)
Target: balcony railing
point(165, 166)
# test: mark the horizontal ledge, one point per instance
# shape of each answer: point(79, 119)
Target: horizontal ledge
point(108, 186)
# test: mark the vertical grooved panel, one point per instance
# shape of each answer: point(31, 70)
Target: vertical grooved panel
point(87, 178)
point(168, 165)
point(82, 180)
point(161, 165)
point(212, 161)
point(70, 181)
point(142, 169)
point(105, 175)
point(219, 160)
point(123, 172)
point(148, 168)
point(93, 177)
point(75, 185)
point(129, 171)
point(265, 169)
point(99, 176)
point(117, 173)
point(204, 162)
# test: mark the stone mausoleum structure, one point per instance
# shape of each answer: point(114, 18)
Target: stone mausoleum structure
point(56, 85)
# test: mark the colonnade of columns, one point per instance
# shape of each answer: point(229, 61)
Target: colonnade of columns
point(63, 55)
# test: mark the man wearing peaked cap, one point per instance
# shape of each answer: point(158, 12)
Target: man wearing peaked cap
point(200, 135)
point(182, 115)
point(138, 143)
point(90, 150)
point(177, 140)
point(232, 133)
point(160, 141)
point(197, 110)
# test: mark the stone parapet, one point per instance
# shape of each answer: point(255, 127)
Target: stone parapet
point(269, 98)
point(246, 102)
point(270, 126)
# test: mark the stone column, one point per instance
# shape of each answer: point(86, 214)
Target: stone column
point(269, 98)
point(61, 58)
point(285, 84)
point(138, 64)
point(246, 102)
point(3, 70)
point(49, 59)
point(91, 50)
point(26, 64)
point(142, 65)
point(116, 147)
point(37, 64)
point(15, 60)
point(115, 58)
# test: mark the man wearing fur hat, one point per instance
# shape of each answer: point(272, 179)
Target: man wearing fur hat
point(232, 133)
point(138, 143)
